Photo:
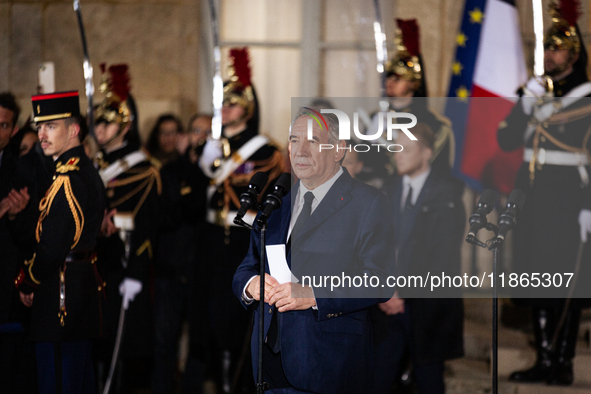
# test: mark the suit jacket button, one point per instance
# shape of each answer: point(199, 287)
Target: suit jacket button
point(270, 311)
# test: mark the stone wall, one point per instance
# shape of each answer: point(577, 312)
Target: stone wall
point(157, 39)
point(163, 42)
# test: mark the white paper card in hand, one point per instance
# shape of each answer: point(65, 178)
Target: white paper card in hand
point(278, 263)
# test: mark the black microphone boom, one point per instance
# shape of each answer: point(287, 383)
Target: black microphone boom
point(507, 219)
point(486, 203)
point(248, 199)
point(273, 200)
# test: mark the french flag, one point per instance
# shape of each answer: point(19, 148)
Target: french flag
point(490, 64)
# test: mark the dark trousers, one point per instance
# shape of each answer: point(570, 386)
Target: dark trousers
point(273, 373)
point(389, 353)
point(18, 370)
point(172, 303)
point(65, 367)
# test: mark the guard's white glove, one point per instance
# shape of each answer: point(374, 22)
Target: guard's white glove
point(585, 223)
point(533, 89)
point(129, 288)
point(211, 151)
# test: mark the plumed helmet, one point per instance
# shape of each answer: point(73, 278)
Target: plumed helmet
point(238, 89)
point(406, 64)
point(563, 33)
point(115, 86)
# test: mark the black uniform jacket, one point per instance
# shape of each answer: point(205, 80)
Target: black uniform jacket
point(70, 218)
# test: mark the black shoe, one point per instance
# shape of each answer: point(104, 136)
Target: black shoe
point(538, 373)
point(562, 374)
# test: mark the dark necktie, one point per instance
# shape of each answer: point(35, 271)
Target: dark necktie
point(304, 214)
point(408, 202)
point(273, 336)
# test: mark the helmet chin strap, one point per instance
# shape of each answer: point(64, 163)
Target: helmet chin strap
point(238, 121)
point(116, 135)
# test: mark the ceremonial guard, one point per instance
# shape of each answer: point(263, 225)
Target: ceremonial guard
point(407, 88)
point(230, 163)
point(132, 185)
point(60, 281)
point(551, 121)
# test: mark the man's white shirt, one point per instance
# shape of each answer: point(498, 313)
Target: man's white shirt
point(416, 183)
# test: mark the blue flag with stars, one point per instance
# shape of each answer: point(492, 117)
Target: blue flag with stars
point(460, 88)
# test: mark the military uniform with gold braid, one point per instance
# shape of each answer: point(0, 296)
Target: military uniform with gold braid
point(554, 130)
point(132, 185)
point(230, 164)
point(407, 65)
point(62, 272)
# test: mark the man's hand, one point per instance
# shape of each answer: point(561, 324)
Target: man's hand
point(4, 206)
point(291, 297)
point(26, 299)
point(393, 306)
point(16, 202)
point(254, 287)
point(107, 226)
point(585, 223)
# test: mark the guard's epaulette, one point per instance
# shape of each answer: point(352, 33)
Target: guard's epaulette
point(69, 166)
point(155, 162)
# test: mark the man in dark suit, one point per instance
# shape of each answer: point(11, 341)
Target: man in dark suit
point(429, 221)
point(315, 343)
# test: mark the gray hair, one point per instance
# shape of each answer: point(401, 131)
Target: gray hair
point(331, 120)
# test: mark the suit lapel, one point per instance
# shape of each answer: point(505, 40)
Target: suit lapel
point(337, 197)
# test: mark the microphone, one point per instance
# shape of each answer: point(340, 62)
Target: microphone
point(248, 199)
point(273, 200)
point(486, 203)
point(507, 219)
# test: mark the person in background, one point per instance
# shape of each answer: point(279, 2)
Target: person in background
point(25, 140)
point(164, 139)
point(125, 250)
point(197, 133)
point(556, 217)
point(230, 163)
point(179, 272)
point(406, 91)
point(429, 222)
point(17, 355)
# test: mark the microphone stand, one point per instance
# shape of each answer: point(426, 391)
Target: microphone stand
point(493, 245)
point(262, 386)
point(262, 223)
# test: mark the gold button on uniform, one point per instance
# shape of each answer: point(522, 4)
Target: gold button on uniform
point(270, 311)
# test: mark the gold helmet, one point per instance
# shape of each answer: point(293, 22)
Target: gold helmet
point(114, 107)
point(238, 90)
point(406, 64)
point(563, 32)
